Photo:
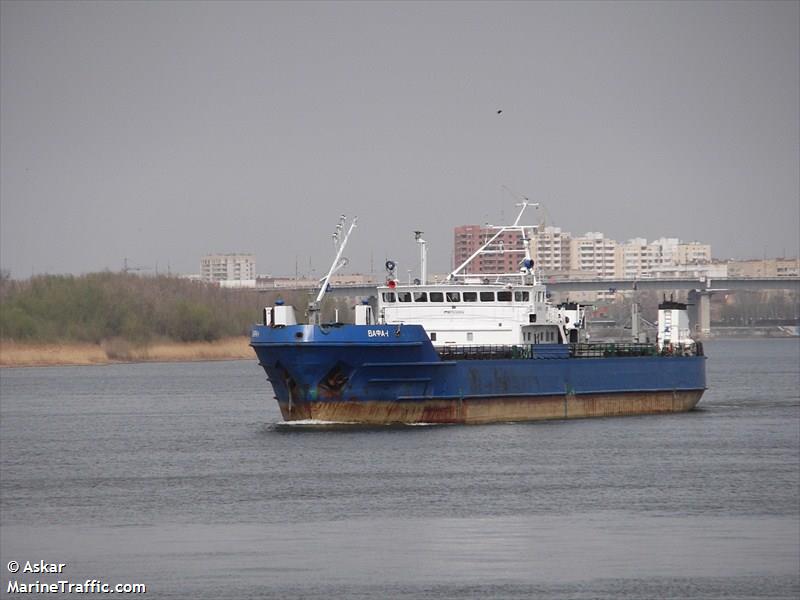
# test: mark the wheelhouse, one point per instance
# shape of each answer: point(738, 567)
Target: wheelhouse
point(456, 314)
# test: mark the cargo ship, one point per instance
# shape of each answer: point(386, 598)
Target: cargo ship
point(470, 349)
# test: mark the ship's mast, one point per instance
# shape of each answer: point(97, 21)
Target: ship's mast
point(338, 262)
point(527, 262)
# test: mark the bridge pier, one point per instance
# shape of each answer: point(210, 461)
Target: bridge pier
point(700, 313)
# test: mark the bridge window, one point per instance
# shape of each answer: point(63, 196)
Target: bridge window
point(433, 336)
point(469, 336)
point(420, 296)
point(470, 296)
point(437, 297)
point(388, 296)
point(521, 296)
point(504, 296)
point(404, 296)
point(454, 296)
point(487, 296)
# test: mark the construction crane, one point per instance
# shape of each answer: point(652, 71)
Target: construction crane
point(128, 269)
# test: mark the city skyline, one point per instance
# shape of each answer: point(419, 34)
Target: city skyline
point(634, 258)
point(304, 268)
point(160, 132)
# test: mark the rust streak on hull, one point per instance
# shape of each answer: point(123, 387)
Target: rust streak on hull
point(493, 410)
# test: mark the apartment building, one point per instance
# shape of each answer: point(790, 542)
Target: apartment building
point(557, 253)
point(551, 250)
point(594, 253)
point(771, 267)
point(693, 253)
point(643, 259)
point(467, 240)
point(639, 258)
point(667, 249)
point(709, 270)
point(228, 267)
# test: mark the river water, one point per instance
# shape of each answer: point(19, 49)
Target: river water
point(183, 478)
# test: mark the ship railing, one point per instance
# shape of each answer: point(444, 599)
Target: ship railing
point(486, 352)
point(482, 352)
point(607, 349)
point(602, 350)
point(551, 351)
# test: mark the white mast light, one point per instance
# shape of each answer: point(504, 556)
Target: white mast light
point(423, 257)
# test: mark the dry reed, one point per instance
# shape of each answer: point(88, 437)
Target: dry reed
point(16, 354)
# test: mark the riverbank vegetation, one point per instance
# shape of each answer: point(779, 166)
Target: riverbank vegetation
point(99, 307)
point(106, 317)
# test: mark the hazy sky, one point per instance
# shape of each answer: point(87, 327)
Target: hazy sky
point(163, 131)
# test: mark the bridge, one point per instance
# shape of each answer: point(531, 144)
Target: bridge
point(705, 284)
point(700, 290)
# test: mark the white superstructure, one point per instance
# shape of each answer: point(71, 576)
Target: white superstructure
point(490, 309)
point(673, 325)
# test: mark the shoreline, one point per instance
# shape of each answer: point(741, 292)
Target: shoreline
point(19, 354)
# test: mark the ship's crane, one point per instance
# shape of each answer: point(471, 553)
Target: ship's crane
point(126, 268)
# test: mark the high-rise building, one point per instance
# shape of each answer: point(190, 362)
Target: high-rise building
point(638, 258)
point(556, 252)
point(596, 254)
point(641, 259)
point(693, 253)
point(666, 250)
point(551, 250)
point(469, 238)
point(228, 267)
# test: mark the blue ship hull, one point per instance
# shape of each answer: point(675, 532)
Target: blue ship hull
point(393, 374)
